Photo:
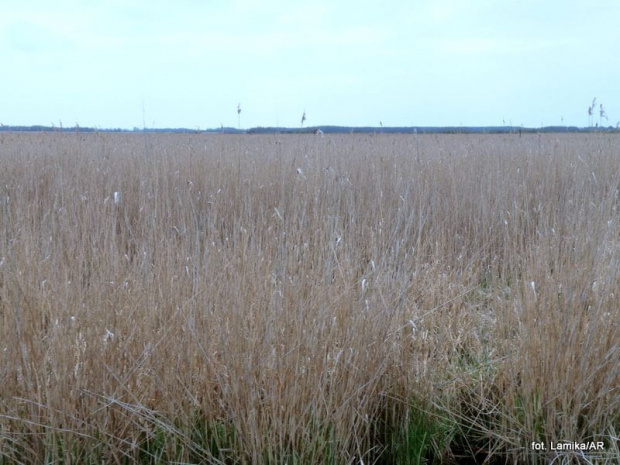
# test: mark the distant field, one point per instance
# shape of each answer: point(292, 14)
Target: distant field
point(302, 299)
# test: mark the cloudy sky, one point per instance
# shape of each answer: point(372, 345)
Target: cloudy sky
point(189, 63)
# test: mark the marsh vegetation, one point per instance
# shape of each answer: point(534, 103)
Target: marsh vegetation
point(301, 299)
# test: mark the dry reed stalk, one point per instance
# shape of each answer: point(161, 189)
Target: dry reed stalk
point(262, 314)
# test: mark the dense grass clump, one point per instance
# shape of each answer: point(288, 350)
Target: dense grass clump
point(300, 299)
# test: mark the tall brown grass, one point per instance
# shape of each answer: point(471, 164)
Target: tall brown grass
point(407, 298)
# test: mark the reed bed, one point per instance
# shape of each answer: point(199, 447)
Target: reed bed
point(301, 299)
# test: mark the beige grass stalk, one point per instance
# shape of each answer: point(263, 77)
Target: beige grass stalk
point(260, 316)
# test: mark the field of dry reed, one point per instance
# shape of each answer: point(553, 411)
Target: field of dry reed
point(343, 299)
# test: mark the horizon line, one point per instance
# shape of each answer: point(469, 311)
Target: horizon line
point(325, 129)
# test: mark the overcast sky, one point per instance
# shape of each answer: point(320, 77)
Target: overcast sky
point(189, 63)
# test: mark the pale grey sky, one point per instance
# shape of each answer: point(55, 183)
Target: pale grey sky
point(188, 63)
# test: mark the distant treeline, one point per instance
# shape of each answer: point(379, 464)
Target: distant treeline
point(328, 130)
point(426, 130)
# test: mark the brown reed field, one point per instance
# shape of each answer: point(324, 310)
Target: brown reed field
point(346, 299)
